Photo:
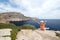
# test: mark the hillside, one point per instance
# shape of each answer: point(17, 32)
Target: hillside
point(13, 16)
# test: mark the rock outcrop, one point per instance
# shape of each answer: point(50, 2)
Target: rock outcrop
point(36, 35)
point(13, 16)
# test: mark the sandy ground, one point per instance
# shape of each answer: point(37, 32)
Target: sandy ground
point(36, 35)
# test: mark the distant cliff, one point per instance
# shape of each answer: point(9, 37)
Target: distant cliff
point(14, 16)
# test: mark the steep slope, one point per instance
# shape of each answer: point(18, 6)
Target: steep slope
point(13, 16)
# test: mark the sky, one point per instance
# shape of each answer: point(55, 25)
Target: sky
point(43, 9)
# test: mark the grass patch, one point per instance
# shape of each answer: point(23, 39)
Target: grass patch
point(15, 28)
point(11, 26)
point(14, 34)
point(27, 26)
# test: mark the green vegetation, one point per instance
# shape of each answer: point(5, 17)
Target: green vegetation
point(27, 26)
point(15, 28)
point(11, 26)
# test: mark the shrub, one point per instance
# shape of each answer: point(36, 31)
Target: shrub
point(27, 26)
point(11, 26)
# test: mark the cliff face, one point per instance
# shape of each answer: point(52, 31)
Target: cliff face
point(13, 16)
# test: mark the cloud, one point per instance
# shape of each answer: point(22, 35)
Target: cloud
point(43, 9)
point(9, 7)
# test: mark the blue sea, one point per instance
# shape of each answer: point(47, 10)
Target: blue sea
point(53, 24)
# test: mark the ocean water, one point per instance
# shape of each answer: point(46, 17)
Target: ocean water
point(19, 23)
point(53, 24)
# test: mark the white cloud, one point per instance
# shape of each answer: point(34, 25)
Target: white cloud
point(45, 9)
point(8, 8)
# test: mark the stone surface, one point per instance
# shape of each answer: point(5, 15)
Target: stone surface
point(5, 34)
point(5, 38)
point(36, 35)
